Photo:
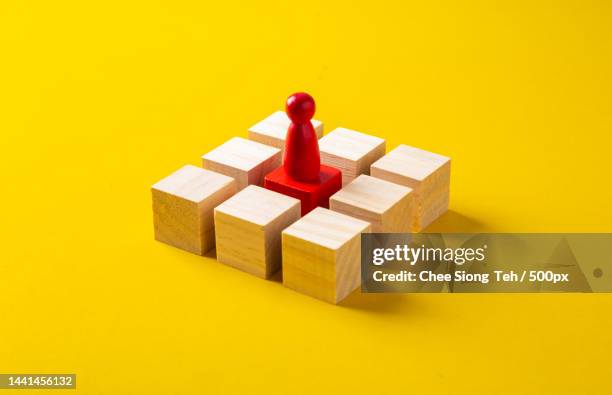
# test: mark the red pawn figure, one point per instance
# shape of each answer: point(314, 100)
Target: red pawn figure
point(302, 176)
point(302, 161)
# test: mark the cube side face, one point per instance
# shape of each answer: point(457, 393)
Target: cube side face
point(431, 198)
point(321, 254)
point(241, 244)
point(248, 228)
point(375, 219)
point(437, 181)
point(372, 157)
point(257, 174)
point(400, 217)
point(309, 268)
point(349, 168)
point(330, 183)
point(206, 212)
point(432, 211)
point(430, 195)
point(318, 127)
point(348, 267)
point(183, 206)
point(177, 222)
point(273, 238)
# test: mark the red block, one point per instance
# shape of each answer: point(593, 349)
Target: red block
point(310, 194)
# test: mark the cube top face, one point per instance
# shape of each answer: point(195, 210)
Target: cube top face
point(276, 125)
point(257, 205)
point(410, 162)
point(241, 153)
point(349, 144)
point(326, 228)
point(371, 194)
point(193, 183)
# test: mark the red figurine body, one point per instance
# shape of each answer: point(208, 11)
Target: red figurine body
point(302, 176)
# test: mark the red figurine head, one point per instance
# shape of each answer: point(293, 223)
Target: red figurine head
point(300, 107)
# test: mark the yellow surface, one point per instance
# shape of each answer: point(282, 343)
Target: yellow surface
point(102, 99)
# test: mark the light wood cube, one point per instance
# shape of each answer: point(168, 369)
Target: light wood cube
point(248, 229)
point(244, 160)
point(322, 254)
point(428, 174)
point(350, 151)
point(273, 129)
point(183, 206)
point(385, 205)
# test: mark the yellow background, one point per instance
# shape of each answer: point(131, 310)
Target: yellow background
point(99, 100)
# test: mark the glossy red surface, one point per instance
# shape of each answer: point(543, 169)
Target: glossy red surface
point(310, 194)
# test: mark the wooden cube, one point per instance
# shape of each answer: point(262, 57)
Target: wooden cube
point(244, 160)
point(272, 130)
point(322, 254)
point(350, 151)
point(428, 174)
point(183, 206)
point(248, 229)
point(385, 205)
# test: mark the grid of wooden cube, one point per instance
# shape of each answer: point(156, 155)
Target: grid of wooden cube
point(321, 254)
point(273, 129)
point(183, 206)
point(350, 151)
point(428, 174)
point(244, 160)
point(385, 205)
point(248, 229)
point(259, 230)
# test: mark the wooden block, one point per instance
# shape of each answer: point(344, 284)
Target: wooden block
point(244, 160)
point(385, 205)
point(248, 229)
point(272, 130)
point(322, 254)
point(428, 174)
point(183, 206)
point(350, 151)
